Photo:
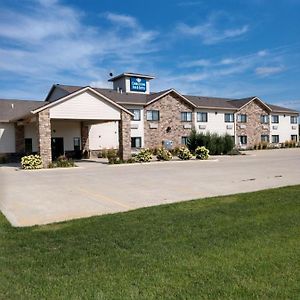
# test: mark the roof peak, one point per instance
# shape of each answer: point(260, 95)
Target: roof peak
point(129, 74)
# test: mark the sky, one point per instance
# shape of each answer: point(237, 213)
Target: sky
point(232, 48)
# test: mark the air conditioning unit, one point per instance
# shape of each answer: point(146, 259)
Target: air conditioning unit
point(242, 126)
point(134, 126)
point(187, 126)
point(229, 127)
point(294, 127)
point(153, 125)
point(274, 127)
point(202, 126)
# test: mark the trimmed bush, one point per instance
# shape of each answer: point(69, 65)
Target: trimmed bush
point(62, 162)
point(202, 153)
point(143, 156)
point(163, 154)
point(184, 153)
point(31, 162)
point(215, 143)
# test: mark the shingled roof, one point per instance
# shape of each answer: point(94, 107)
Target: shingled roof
point(12, 109)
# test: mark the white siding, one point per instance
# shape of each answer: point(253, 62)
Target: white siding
point(7, 138)
point(30, 132)
point(67, 130)
point(215, 122)
point(85, 106)
point(137, 127)
point(104, 136)
point(284, 128)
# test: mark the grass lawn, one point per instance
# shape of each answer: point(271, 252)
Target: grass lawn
point(240, 246)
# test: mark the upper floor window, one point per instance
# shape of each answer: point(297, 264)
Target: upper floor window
point(294, 120)
point(186, 116)
point(202, 116)
point(229, 118)
point(264, 119)
point(152, 115)
point(136, 113)
point(242, 118)
point(275, 119)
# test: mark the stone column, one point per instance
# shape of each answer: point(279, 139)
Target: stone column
point(20, 138)
point(84, 140)
point(44, 137)
point(125, 136)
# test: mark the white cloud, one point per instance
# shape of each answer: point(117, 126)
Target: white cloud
point(211, 32)
point(41, 47)
point(195, 63)
point(266, 71)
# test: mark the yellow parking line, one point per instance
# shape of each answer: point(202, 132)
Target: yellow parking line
point(102, 197)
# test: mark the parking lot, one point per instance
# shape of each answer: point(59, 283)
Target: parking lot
point(44, 196)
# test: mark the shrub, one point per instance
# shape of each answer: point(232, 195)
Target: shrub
point(184, 153)
point(175, 151)
point(62, 162)
point(215, 143)
point(202, 153)
point(112, 156)
point(163, 154)
point(31, 162)
point(102, 153)
point(143, 156)
point(3, 160)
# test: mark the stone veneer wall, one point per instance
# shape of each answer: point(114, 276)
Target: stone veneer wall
point(125, 135)
point(44, 137)
point(20, 138)
point(170, 108)
point(253, 127)
point(84, 140)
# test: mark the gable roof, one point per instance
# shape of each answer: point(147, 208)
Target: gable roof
point(78, 91)
point(12, 109)
point(276, 108)
point(211, 102)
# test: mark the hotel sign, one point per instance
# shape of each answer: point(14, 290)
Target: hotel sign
point(137, 84)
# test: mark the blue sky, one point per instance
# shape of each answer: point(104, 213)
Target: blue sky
point(215, 48)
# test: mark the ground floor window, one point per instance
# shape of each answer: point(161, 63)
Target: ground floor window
point(184, 140)
point(28, 145)
point(243, 139)
point(275, 139)
point(136, 142)
point(76, 142)
point(294, 137)
point(264, 138)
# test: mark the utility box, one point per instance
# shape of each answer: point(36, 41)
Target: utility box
point(167, 144)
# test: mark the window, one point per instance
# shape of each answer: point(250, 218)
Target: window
point(28, 146)
point(294, 120)
point(186, 116)
point(76, 143)
point(275, 119)
point(264, 138)
point(242, 118)
point(294, 137)
point(152, 115)
point(243, 139)
point(264, 119)
point(137, 114)
point(275, 139)
point(136, 142)
point(229, 118)
point(184, 140)
point(202, 116)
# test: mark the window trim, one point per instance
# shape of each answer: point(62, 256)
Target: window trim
point(294, 135)
point(275, 135)
point(263, 135)
point(262, 117)
point(135, 138)
point(186, 113)
point(239, 118)
point(132, 111)
point(240, 139)
point(272, 119)
point(151, 111)
point(229, 114)
point(201, 113)
point(294, 118)
point(184, 138)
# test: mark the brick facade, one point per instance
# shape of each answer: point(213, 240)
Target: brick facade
point(20, 139)
point(253, 128)
point(169, 126)
point(44, 137)
point(125, 136)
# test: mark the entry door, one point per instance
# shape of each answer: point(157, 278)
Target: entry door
point(57, 147)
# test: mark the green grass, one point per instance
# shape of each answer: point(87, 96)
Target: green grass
point(241, 246)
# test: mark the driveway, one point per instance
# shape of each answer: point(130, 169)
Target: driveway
point(39, 197)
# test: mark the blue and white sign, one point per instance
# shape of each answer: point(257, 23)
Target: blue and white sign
point(137, 84)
